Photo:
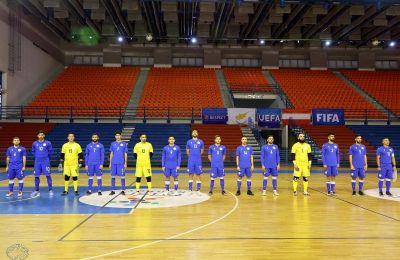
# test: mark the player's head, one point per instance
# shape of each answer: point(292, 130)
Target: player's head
point(270, 139)
point(16, 141)
point(244, 140)
point(95, 137)
point(171, 140)
point(386, 141)
point(118, 136)
point(331, 137)
point(71, 137)
point(195, 133)
point(143, 138)
point(358, 139)
point(301, 138)
point(217, 139)
point(41, 135)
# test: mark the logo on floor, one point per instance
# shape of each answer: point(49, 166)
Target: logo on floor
point(375, 193)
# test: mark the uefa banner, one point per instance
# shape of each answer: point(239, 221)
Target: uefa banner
point(242, 116)
point(269, 117)
point(214, 115)
point(328, 116)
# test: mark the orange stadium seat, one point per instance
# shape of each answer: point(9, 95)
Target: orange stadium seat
point(246, 80)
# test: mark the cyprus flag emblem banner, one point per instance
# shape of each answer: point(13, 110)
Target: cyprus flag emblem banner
point(241, 116)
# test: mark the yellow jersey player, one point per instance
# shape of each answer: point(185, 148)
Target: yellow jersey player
point(301, 154)
point(71, 160)
point(143, 151)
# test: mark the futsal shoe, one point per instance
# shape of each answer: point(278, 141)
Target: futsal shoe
point(210, 193)
point(361, 192)
point(276, 193)
point(238, 193)
point(76, 193)
point(294, 193)
point(112, 193)
point(250, 193)
point(306, 193)
point(35, 194)
point(51, 193)
point(123, 193)
point(380, 193)
point(20, 194)
point(9, 194)
point(264, 193)
point(389, 194)
point(88, 192)
point(223, 192)
point(65, 193)
point(99, 193)
point(354, 193)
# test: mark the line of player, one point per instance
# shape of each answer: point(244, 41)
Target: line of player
point(72, 158)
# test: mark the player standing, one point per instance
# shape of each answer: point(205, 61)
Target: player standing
point(270, 162)
point(386, 165)
point(245, 165)
point(143, 152)
point(358, 165)
point(171, 162)
point(194, 150)
point(301, 156)
point(42, 151)
point(331, 161)
point(118, 162)
point(71, 160)
point(217, 155)
point(94, 160)
point(15, 166)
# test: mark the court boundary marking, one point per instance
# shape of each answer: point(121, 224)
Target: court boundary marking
point(174, 236)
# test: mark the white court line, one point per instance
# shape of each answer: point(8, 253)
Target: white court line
point(171, 237)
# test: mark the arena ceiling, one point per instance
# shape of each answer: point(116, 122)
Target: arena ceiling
point(303, 23)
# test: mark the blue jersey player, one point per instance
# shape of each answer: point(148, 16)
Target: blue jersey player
point(194, 150)
point(94, 160)
point(217, 155)
point(42, 151)
point(15, 166)
point(358, 165)
point(118, 161)
point(245, 165)
point(171, 162)
point(331, 161)
point(270, 163)
point(386, 165)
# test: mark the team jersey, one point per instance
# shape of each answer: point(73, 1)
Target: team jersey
point(195, 147)
point(16, 155)
point(171, 157)
point(217, 153)
point(71, 152)
point(330, 154)
point(301, 150)
point(244, 153)
point(386, 154)
point(119, 149)
point(94, 154)
point(270, 156)
point(358, 152)
point(42, 150)
point(143, 151)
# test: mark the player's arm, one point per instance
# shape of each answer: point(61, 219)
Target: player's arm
point(209, 154)
point(309, 155)
point(351, 161)
point(101, 156)
point(202, 147)
point(33, 149)
point(262, 158)
point(163, 159)
point(23, 159)
point(366, 162)
point(111, 156)
point(87, 152)
point(187, 148)
point(126, 160)
point(252, 162)
point(135, 152)
point(224, 155)
point(338, 157)
point(179, 154)
point(278, 158)
point(378, 160)
point(393, 161)
point(7, 160)
point(323, 156)
point(293, 153)
point(151, 152)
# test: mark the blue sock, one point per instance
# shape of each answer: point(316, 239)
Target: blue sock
point(333, 184)
point(328, 186)
point(360, 185)
point(123, 183)
point(274, 183)
point(265, 183)
point(388, 184)
point(248, 184)
point(353, 185)
point(190, 185)
point(20, 185)
point(49, 183)
point(175, 185)
point(90, 183)
point(222, 183)
point(113, 183)
point(99, 183)
point(211, 184)
point(239, 183)
point(198, 185)
point(167, 185)
point(11, 185)
point(37, 182)
point(380, 185)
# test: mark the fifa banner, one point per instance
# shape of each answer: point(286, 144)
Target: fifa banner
point(328, 116)
point(241, 116)
point(269, 117)
point(214, 115)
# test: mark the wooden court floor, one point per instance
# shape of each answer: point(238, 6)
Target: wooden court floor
point(222, 227)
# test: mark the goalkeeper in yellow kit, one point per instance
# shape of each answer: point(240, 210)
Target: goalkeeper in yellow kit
point(71, 160)
point(301, 154)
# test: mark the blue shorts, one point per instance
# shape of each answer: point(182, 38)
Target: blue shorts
point(117, 170)
point(217, 172)
point(94, 169)
point(270, 171)
point(331, 171)
point(194, 167)
point(386, 173)
point(358, 172)
point(41, 168)
point(244, 171)
point(15, 173)
point(171, 172)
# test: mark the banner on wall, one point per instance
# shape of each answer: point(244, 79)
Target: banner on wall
point(328, 116)
point(269, 117)
point(242, 116)
point(214, 115)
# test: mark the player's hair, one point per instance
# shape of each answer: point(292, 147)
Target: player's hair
point(385, 138)
point(270, 136)
point(95, 134)
point(142, 134)
point(171, 136)
point(330, 133)
point(300, 134)
point(357, 136)
point(70, 133)
point(243, 137)
point(15, 137)
point(217, 136)
point(41, 132)
point(117, 132)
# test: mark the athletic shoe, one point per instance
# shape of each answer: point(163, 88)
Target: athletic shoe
point(210, 193)
point(238, 193)
point(20, 194)
point(64, 193)
point(9, 194)
point(123, 193)
point(35, 194)
point(223, 192)
point(249, 192)
point(99, 193)
point(264, 193)
point(354, 193)
point(380, 193)
point(51, 193)
point(76, 193)
point(112, 193)
point(306, 193)
point(294, 193)
point(361, 193)
point(276, 193)
point(389, 194)
point(88, 192)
